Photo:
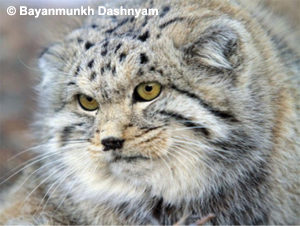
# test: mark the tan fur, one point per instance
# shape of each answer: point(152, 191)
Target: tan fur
point(252, 177)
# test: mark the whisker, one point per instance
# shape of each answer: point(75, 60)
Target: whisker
point(32, 161)
point(199, 145)
point(196, 156)
point(188, 149)
point(43, 181)
point(69, 190)
point(39, 146)
point(26, 166)
point(189, 128)
point(179, 160)
point(58, 183)
point(35, 171)
point(166, 163)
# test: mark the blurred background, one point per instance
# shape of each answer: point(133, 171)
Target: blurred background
point(22, 38)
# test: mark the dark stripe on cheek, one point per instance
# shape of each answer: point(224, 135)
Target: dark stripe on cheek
point(147, 130)
point(67, 131)
point(65, 134)
point(216, 112)
point(187, 122)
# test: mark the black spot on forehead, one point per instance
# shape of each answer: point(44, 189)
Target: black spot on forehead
point(152, 68)
point(140, 72)
point(102, 70)
point(144, 36)
point(113, 70)
point(161, 72)
point(122, 56)
point(88, 45)
point(143, 58)
point(145, 21)
point(164, 11)
point(79, 40)
point(91, 63)
point(118, 47)
point(94, 26)
point(77, 70)
point(104, 52)
point(108, 67)
point(93, 76)
point(105, 44)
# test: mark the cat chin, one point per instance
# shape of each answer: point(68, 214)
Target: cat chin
point(120, 182)
point(135, 170)
point(157, 180)
point(125, 180)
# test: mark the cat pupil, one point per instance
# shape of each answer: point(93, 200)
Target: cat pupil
point(148, 88)
point(89, 99)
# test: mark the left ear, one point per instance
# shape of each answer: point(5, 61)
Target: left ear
point(217, 47)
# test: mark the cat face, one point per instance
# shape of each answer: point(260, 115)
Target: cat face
point(159, 110)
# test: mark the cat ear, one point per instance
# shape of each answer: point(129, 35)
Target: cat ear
point(52, 57)
point(51, 62)
point(216, 47)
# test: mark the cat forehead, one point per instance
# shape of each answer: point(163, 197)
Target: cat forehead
point(109, 52)
point(112, 66)
point(103, 57)
point(115, 58)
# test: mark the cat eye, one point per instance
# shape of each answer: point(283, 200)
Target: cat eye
point(147, 91)
point(87, 103)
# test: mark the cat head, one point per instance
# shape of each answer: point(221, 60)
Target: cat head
point(168, 106)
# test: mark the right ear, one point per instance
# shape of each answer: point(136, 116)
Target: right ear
point(216, 47)
point(216, 43)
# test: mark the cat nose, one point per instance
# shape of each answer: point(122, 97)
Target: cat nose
point(112, 143)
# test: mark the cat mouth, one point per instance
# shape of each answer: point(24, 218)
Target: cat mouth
point(133, 158)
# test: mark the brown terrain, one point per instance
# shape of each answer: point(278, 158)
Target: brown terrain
point(21, 40)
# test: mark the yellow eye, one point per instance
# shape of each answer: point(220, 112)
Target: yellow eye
point(87, 103)
point(148, 91)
